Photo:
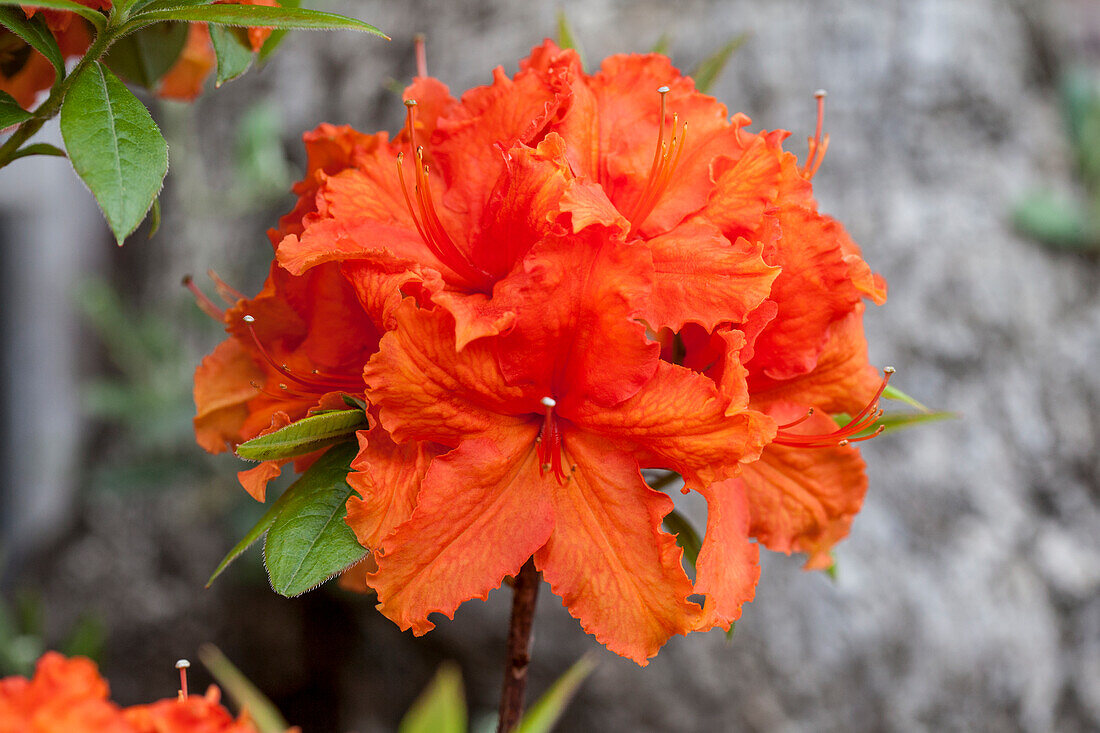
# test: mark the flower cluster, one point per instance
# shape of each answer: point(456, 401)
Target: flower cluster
point(540, 289)
point(68, 696)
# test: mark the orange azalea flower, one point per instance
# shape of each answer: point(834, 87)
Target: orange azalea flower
point(516, 244)
point(193, 714)
point(24, 72)
point(64, 696)
point(185, 80)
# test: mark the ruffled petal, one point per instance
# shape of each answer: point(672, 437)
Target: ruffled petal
point(387, 477)
point(608, 559)
point(680, 421)
point(699, 276)
point(728, 565)
point(804, 499)
point(255, 479)
point(425, 390)
point(482, 511)
point(223, 390)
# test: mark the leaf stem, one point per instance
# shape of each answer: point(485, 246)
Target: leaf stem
point(525, 589)
point(52, 105)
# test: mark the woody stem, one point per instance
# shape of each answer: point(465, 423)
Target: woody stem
point(525, 589)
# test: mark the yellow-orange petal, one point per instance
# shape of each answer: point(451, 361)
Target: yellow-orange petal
point(804, 499)
point(728, 565)
point(387, 477)
point(680, 421)
point(701, 277)
point(482, 511)
point(608, 559)
point(256, 479)
point(184, 81)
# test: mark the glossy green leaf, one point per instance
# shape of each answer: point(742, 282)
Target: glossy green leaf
point(96, 17)
point(264, 714)
point(144, 57)
point(686, 536)
point(305, 436)
point(710, 68)
point(567, 38)
point(258, 15)
point(309, 542)
point(35, 32)
point(893, 393)
point(276, 38)
point(232, 50)
point(10, 111)
point(38, 149)
point(441, 708)
point(142, 6)
point(545, 713)
point(115, 147)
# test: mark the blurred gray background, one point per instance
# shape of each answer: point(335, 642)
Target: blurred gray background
point(968, 595)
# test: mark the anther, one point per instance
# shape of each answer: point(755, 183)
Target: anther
point(248, 319)
point(549, 402)
point(863, 421)
point(182, 665)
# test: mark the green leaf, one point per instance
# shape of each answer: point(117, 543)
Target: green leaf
point(710, 68)
point(148, 5)
point(541, 717)
point(730, 630)
point(893, 393)
point(309, 541)
point(154, 223)
point(144, 57)
point(96, 17)
point(1054, 221)
point(35, 32)
point(567, 38)
point(263, 713)
point(686, 536)
point(253, 534)
point(115, 147)
point(258, 15)
point(10, 111)
point(276, 36)
point(441, 708)
point(895, 420)
point(233, 51)
point(38, 149)
point(305, 436)
point(661, 46)
point(832, 571)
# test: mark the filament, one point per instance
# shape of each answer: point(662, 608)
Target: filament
point(666, 157)
point(817, 144)
point(861, 422)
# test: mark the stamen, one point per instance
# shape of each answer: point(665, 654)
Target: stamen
point(548, 443)
point(863, 421)
point(202, 301)
point(182, 666)
point(817, 144)
point(318, 383)
point(428, 224)
point(799, 421)
point(228, 293)
point(421, 55)
point(665, 160)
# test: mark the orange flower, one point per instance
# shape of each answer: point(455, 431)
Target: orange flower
point(64, 696)
point(195, 714)
point(185, 80)
point(24, 72)
point(574, 286)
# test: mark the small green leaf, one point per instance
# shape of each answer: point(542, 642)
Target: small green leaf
point(305, 436)
point(154, 222)
point(253, 534)
point(1053, 220)
point(35, 32)
point(661, 46)
point(441, 708)
point(115, 147)
point(730, 630)
point(233, 51)
point(893, 393)
point(541, 717)
point(309, 541)
point(832, 571)
point(38, 149)
point(94, 16)
point(263, 713)
point(144, 57)
point(10, 111)
point(276, 38)
point(686, 536)
point(258, 15)
point(567, 38)
point(710, 68)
